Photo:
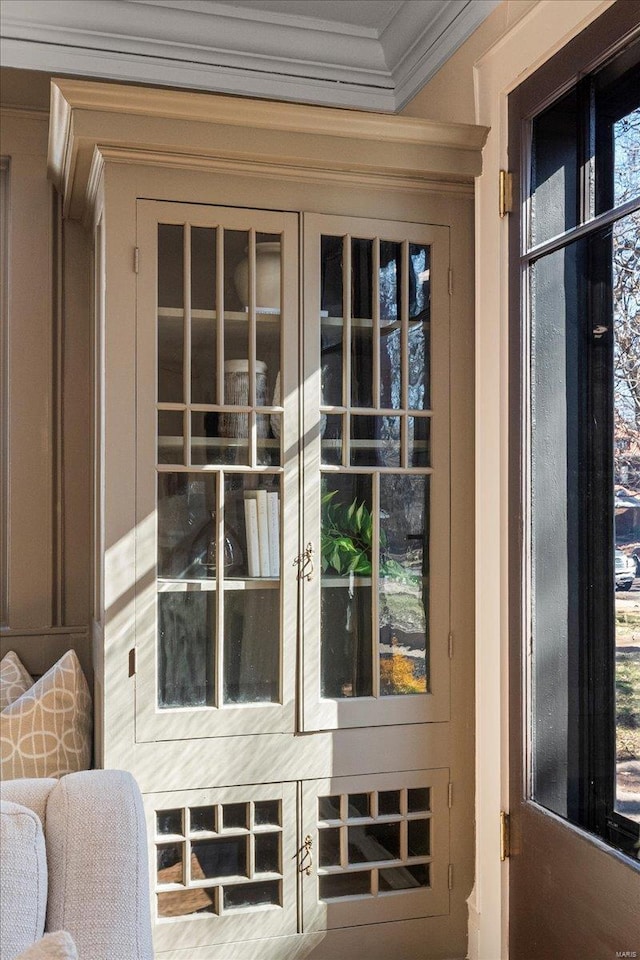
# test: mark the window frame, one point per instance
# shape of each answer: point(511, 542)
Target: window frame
point(594, 709)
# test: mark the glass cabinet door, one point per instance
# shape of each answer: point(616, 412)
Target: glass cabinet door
point(217, 470)
point(376, 473)
point(380, 845)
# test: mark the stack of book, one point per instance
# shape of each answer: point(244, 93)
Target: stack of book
point(262, 524)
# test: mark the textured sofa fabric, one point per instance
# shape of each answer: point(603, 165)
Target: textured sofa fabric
point(46, 732)
point(33, 794)
point(96, 853)
point(23, 879)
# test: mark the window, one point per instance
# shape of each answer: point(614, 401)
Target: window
point(580, 263)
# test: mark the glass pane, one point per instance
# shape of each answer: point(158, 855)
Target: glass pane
point(170, 312)
point(346, 638)
point(361, 278)
point(170, 436)
point(347, 531)
point(329, 847)
point(268, 272)
point(388, 803)
point(554, 170)
point(375, 841)
point(236, 289)
point(268, 449)
point(252, 526)
point(329, 808)
point(626, 148)
point(389, 283)
point(331, 267)
point(235, 816)
point(403, 878)
point(362, 324)
point(419, 360)
point(266, 813)
point(267, 853)
point(404, 584)
point(268, 322)
point(626, 469)
point(202, 819)
point(331, 327)
point(419, 430)
point(390, 324)
point(332, 439)
point(182, 903)
point(220, 438)
point(203, 320)
point(246, 895)
point(556, 332)
point(251, 646)
point(356, 884)
point(359, 805)
point(375, 441)
point(331, 350)
point(220, 857)
point(186, 526)
point(186, 629)
point(418, 841)
point(418, 799)
point(168, 821)
point(617, 115)
point(169, 860)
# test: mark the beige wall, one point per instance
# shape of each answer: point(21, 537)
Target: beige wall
point(450, 94)
point(45, 539)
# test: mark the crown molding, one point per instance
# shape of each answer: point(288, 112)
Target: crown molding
point(167, 127)
point(238, 50)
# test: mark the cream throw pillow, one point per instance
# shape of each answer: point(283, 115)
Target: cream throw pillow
point(47, 731)
point(53, 946)
point(14, 679)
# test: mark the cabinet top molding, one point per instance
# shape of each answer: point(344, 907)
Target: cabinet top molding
point(89, 118)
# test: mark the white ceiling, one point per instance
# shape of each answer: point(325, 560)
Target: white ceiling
point(369, 54)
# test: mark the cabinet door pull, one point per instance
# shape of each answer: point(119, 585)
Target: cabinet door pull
point(305, 563)
point(304, 856)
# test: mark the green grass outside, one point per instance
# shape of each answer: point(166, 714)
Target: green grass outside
point(628, 704)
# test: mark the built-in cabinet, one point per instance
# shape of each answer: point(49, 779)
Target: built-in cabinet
point(281, 658)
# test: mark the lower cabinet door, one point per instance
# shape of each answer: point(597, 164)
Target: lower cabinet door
point(380, 846)
point(223, 864)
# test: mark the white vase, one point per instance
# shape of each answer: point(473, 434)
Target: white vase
point(267, 277)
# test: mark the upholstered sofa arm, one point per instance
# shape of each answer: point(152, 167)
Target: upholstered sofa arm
point(98, 869)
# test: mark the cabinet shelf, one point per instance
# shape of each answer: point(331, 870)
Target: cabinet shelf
point(346, 581)
point(263, 315)
point(174, 443)
point(174, 585)
point(367, 323)
point(367, 444)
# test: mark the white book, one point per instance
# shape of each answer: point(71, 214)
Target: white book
point(260, 499)
point(273, 512)
point(251, 527)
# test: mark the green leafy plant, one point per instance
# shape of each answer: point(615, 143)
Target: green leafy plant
point(347, 536)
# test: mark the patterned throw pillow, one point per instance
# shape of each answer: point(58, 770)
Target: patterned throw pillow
point(14, 679)
point(47, 731)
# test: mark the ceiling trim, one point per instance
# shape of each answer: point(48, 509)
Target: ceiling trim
point(239, 50)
